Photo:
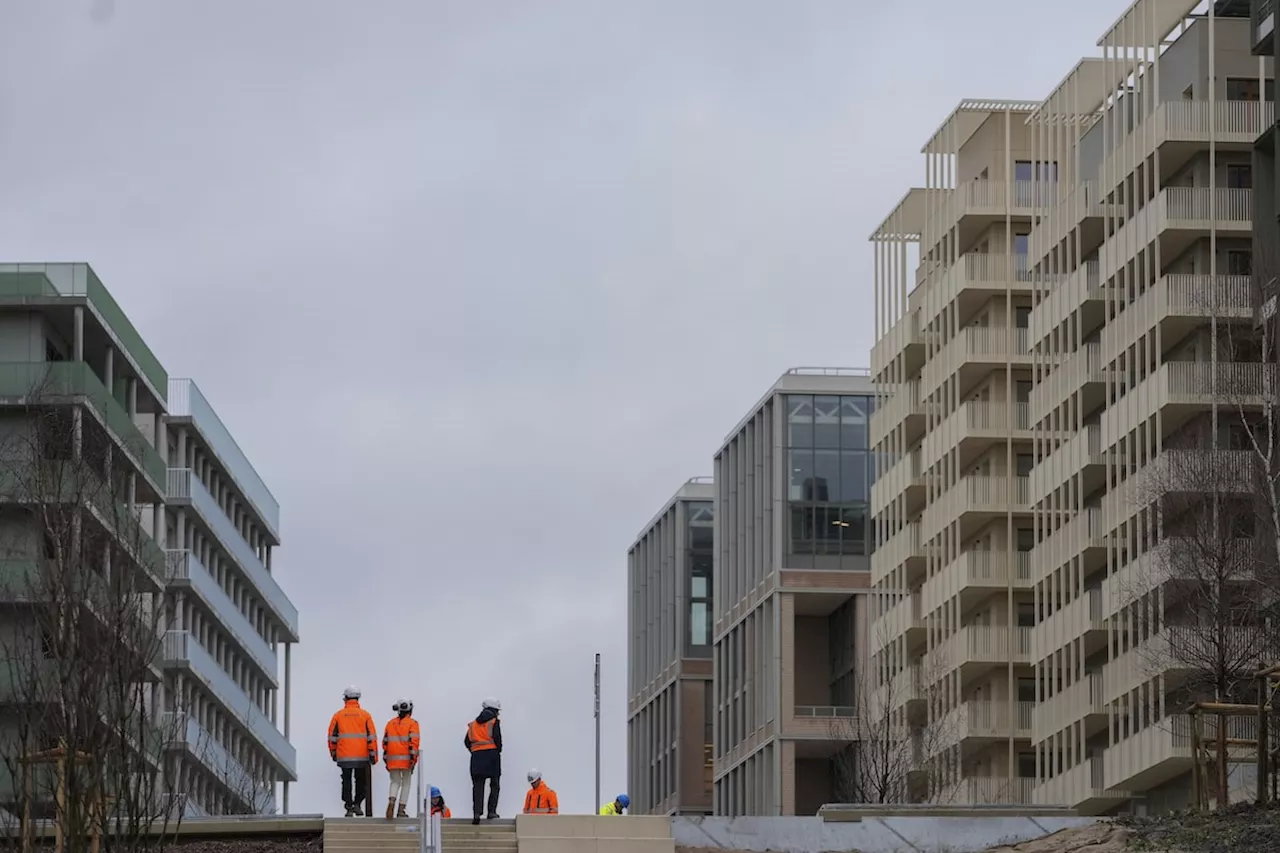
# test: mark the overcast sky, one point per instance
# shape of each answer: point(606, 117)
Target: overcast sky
point(477, 285)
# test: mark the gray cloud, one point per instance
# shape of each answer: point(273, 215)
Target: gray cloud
point(477, 285)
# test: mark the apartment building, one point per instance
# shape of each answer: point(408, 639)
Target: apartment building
point(669, 705)
point(192, 516)
point(1266, 179)
point(792, 545)
point(1052, 307)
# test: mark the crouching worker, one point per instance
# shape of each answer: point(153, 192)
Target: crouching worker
point(437, 804)
point(540, 799)
point(619, 805)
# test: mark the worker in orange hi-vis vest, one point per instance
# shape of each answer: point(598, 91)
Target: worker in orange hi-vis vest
point(353, 745)
point(540, 799)
point(400, 741)
point(484, 741)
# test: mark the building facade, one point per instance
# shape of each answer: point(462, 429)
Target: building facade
point(193, 516)
point(669, 710)
point(1064, 348)
point(792, 545)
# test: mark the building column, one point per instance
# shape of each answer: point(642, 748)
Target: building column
point(131, 389)
point(77, 337)
point(181, 461)
point(109, 370)
point(288, 683)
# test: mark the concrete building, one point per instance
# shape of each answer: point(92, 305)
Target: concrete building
point(1050, 308)
point(199, 524)
point(669, 710)
point(792, 483)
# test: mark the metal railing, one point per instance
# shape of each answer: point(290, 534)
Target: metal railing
point(826, 711)
point(829, 371)
point(184, 565)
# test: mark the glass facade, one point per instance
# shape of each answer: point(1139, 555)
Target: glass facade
point(830, 471)
point(698, 558)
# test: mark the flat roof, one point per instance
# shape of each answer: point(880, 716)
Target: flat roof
point(1147, 17)
point(809, 380)
point(694, 489)
point(964, 121)
point(906, 220)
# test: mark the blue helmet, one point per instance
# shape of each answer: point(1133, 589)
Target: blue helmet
point(624, 801)
point(435, 792)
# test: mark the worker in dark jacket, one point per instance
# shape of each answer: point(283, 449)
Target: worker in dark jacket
point(484, 741)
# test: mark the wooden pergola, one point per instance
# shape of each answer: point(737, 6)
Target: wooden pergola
point(61, 758)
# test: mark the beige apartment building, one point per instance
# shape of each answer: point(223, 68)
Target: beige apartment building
point(792, 482)
point(669, 705)
point(1051, 307)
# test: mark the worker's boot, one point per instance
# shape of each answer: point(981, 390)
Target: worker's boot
point(402, 811)
point(391, 808)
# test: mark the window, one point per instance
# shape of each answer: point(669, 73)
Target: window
point(1025, 462)
point(52, 352)
point(1026, 765)
point(1022, 316)
point(1026, 614)
point(1239, 176)
point(699, 564)
point(1025, 170)
point(1239, 262)
point(1246, 89)
point(1026, 539)
point(1026, 690)
point(1022, 390)
point(1020, 244)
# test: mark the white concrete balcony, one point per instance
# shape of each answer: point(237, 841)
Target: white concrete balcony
point(1162, 564)
point(976, 575)
point(903, 549)
point(1178, 216)
point(974, 426)
point(1079, 291)
point(1083, 618)
point(983, 721)
point(1178, 471)
point(1184, 389)
point(1081, 454)
point(1081, 787)
point(1174, 653)
point(904, 338)
point(987, 791)
point(1082, 371)
point(902, 407)
point(975, 649)
point(1178, 304)
point(974, 352)
point(1084, 699)
point(1083, 209)
point(904, 479)
point(903, 620)
point(1084, 535)
point(975, 500)
point(1162, 751)
point(973, 280)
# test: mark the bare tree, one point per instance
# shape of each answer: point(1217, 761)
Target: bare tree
point(84, 738)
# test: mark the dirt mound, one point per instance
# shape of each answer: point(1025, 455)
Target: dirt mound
point(1097, 838)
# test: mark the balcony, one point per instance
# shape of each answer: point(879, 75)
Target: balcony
point(1162, 751)
point(186, 401)
point(904, 338)
point(1084, 536)
point(1181, 390)
point(903, 619)
point(1080, 456)
point(1178, 216)
point(1082, 618)
point(974, 501)
point(904, 480)
point(1262, 16)
point(204, 747)
point(1082, 292)
point(973, 280)
point(1173, 654)
point(976, 649)
point(1230, 124)
point(833, 723)
point(972, 428)
point(1084, 699)
point(1162, 564)
point(974, 576)
point(987, 791)
point(901, 549)
point(982, 721)
point(183, 487)
point(49, 382)
point(1180, 472)
point(1179, 304)
point(973, 354)
point(1081, 788)
point(902, 407)
point(186, 570)
point(180, 648)
point(1084, 211)
point(1083, 372)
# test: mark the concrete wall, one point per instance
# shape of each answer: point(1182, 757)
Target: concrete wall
point(594, 834)
point(869, 835)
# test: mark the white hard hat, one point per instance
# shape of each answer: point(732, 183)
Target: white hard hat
point(402, 705)
point(352, 692)
point(534, 775)
point(491, 703)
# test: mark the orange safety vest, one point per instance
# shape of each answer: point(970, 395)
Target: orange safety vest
point(541, 800)
point(443, 811)
point(352, 735)
point(400, 740)
point(481, 735)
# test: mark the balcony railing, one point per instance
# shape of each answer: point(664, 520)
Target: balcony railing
point(978, 345)
point(181, 647)
point(185, 566)
point(1064, 299)
point(1195, 121)
point(218, 759)
point(1083, 367)
point(823, 711)
point(976, 493)
point(976, 569)
point(990, 791)
point(183, 485)
point(1183, 295)
point(1084, 696)
point(980, 644)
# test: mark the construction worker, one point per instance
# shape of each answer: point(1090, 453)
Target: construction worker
point(353, 745)
point(619, 805)
point(484, 741)
point(437, 804)
point(540, 799)
point(400, 740)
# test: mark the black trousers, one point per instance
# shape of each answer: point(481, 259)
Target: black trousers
point(361, 775)
point(477, 795)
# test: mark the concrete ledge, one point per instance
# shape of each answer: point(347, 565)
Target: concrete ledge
point(640, 827)
point(220, 827)
point(596, 845)
point(858, 811)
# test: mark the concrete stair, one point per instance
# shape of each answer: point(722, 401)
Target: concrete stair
point(490, 836)
point(364, 834)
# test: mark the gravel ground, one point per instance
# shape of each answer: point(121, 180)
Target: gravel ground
point(1243, 827)
point(264, 845)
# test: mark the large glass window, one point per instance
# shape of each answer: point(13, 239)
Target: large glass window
point(698, 559)
point(830, 471)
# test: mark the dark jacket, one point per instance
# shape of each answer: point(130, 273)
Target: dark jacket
point(487, 762)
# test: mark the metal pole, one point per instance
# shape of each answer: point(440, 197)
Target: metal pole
point(597, 805)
